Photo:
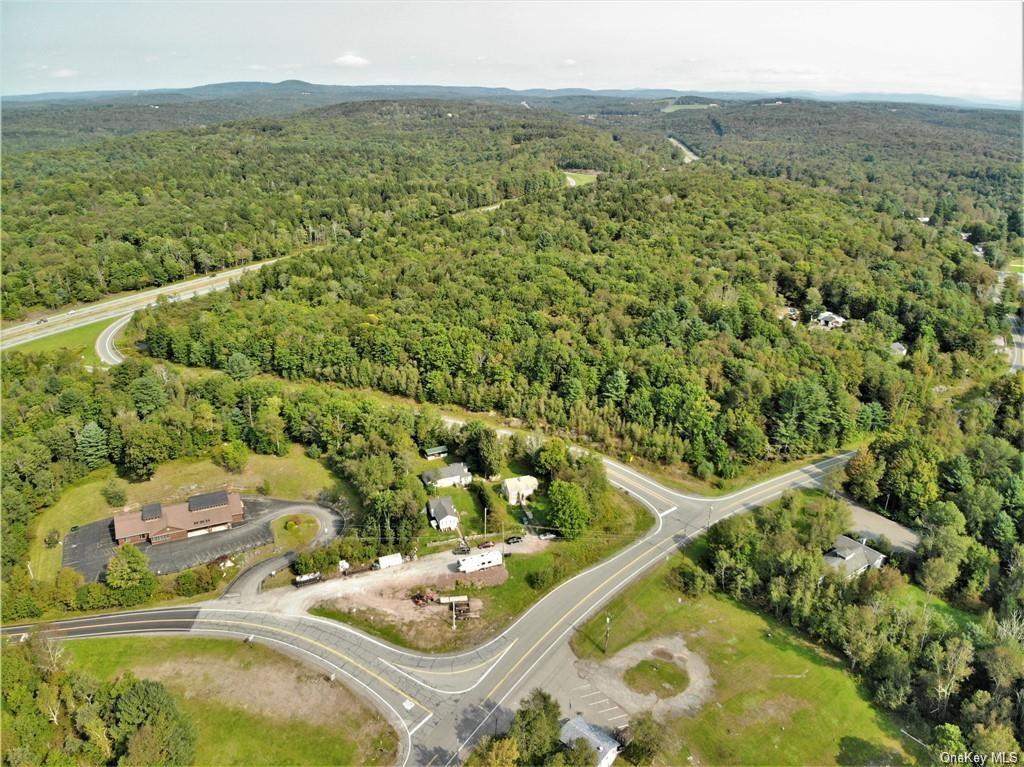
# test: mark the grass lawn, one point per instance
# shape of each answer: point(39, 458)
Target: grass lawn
point(81, 339)
point(289, 714)
point(292, 477)
point(582, 179)
point(297, 536)
point(658, 677)
point(676, 107)
point(911, 594)
point(777, 698)
point(1015, 265)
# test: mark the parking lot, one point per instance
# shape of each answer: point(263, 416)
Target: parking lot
point(89, 548)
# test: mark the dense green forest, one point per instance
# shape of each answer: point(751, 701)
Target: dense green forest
point(640, 314)
point(907, 160)
point(153, 208)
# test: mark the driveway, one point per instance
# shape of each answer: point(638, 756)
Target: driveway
point(89, 548)
point(868, 524)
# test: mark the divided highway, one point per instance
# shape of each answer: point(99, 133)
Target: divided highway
point(122, 306)
point(442, 704)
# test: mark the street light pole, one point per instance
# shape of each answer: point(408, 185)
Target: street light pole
point(607, 631)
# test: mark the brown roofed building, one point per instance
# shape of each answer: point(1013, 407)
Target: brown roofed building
point(201, 514)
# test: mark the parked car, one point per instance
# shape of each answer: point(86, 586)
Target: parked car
point(461, 550)
point(486, 545)
point(513, 539)
point(547, 536)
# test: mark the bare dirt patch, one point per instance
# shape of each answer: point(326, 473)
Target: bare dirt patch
point(259, 687)
point(607, 676)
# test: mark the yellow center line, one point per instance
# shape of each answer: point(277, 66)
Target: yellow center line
point(623, 479)
point(286, 632)
point(460, 671)
point(568, 612)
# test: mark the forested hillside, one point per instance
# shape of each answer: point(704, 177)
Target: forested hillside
point(913, 160)
point(153, 208)
point(639, 313)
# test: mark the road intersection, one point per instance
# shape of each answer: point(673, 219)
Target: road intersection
point(441, 704)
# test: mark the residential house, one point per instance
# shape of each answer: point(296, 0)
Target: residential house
point(453, 475)
point(201, 514)
point(898, 349)
point(851, 557)
point(604, 745)
point(442, 513)
point(830, 320)
point(518, 489)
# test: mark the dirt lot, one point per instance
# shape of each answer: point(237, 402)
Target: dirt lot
point(391, 600)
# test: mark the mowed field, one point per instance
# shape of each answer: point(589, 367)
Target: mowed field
point(292, 477)
point(81, 340)
point(778, 699)
point(250, 705)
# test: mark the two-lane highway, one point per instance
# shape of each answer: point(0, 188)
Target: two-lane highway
point(441, 704)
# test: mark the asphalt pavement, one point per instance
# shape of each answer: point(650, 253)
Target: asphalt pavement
point(89, 548)
point(442, 704)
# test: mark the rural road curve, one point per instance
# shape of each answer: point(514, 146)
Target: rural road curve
point(120, 307)
point(442, 704)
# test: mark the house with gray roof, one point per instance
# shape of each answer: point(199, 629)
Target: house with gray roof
point(606, 747)
point(442, 513)
point(453, 475)
point(851, 557)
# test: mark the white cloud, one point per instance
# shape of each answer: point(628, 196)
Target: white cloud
point(351, 60)
point(63, 73)
point(258, 67)
point(569, 63)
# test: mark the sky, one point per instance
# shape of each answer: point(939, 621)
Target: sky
point(968, 49)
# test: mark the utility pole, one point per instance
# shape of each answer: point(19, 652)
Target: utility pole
point(607, 631)
point(485, 521)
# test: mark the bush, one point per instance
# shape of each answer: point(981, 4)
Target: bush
point(114, 493)
point(92, 596)
point(52, 538)
point(546, 576)
point(185, 584)
point(263, 488)
point(233, 456)
point(690, 579)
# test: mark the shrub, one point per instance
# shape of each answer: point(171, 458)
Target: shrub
point(52, 538)
point(114, 493)
point(233, 456)
point(263, 488)
point(690, 579)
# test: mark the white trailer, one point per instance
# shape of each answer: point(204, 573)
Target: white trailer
point(481, 561)
point(388, 560)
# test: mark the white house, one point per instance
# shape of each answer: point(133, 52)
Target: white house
point(606, 747)
point(453, 475)
point(518, 489)
point(851, 557)
point(830, 320)
point(898, 349)
point(442, 513)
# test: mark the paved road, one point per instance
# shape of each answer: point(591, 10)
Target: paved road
point(688, 154)
point(1016, 348)
point(441, 704)
point(119, 307)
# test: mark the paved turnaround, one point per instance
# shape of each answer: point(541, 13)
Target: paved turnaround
point(441, 704)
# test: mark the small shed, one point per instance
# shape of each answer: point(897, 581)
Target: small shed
point(606, 747)
point(436, 452)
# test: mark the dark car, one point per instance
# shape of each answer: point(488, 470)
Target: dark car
point(461, 550)
point(513, 539)
point(486, 545)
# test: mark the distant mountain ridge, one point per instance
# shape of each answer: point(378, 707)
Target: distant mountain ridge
point(364, 92)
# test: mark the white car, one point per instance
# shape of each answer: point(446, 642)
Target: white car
point(547, 536)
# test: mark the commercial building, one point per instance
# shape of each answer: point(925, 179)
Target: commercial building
point(159, 523)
